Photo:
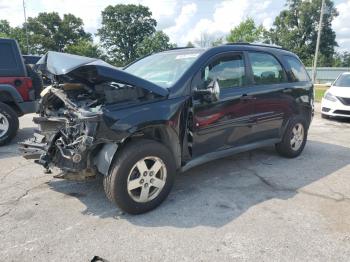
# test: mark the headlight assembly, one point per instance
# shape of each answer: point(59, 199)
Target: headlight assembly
point(330, 97)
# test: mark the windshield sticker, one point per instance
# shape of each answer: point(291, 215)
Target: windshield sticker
point(187, 56)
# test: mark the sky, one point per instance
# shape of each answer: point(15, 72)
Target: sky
point(182, 20)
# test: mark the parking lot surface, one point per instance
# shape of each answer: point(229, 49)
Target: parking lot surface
point(253, 206)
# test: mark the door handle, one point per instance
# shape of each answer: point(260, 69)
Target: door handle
point(246, 97)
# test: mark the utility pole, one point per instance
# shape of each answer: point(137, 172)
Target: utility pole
point(318, 42)
point(26, 27)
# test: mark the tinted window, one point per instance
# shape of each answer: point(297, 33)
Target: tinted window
point(8, 60)
point(297, 70)
point(228, 71)
point(266, 68)
point(343, 80)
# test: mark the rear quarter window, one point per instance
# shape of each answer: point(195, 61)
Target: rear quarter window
point(296, 69)
point(8, 59)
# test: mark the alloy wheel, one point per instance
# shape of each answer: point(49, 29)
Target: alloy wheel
point(146, 179)
point(4, 125)
point(297, 137)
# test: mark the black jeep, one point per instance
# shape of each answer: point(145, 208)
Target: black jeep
point(168, 112)
point(20, 86)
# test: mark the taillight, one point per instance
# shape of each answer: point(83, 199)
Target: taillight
point(22, 84)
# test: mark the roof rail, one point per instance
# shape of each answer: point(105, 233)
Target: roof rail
point(257, 44)
point(180, 47)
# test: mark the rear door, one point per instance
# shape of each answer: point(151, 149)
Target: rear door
point(272, 93)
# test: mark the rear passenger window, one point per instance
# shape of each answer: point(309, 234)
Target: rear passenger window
point(266, 68)
point(7, 58)
point(229, 71)
point(297, 71)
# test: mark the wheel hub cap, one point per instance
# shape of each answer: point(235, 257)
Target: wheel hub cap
point(297, 137)
point(4, 125)
point(146, 179)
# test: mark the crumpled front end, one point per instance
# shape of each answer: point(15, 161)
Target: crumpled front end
point(66, 135)
point(73, 134)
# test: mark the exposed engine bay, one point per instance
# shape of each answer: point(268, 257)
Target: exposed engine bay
point(73, 135)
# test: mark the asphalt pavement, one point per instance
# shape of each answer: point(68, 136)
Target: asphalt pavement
point(254, 206)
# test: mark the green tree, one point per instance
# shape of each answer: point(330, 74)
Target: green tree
point(17, 33)
point(84, 48)
point(155, 43)
point(123, 28)
point(5, 28)
point(295, 28)
point(341, 59)
point(189, 44)
point(48, 31)
point(246, 31)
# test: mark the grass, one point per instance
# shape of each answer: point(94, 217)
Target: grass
point(319, 92)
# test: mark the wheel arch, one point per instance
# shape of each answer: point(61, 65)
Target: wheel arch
point(161, 133)
point(10, 96)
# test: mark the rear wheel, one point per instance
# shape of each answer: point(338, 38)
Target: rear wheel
point(141, 177)
point(8, 123)
point(294, 139)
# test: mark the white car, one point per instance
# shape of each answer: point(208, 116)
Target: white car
point(336, 100)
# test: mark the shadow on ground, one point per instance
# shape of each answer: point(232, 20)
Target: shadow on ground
point(220, 191)
point(11, 149)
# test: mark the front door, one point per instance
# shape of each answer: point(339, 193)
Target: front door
point(226, 122)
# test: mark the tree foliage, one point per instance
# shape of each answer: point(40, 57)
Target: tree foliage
point(123, 28)
point(189, 44)
point(342, 59)
point(295, 28)
point(155, 43)
point(246, 31)
point(48, 31)
point(85, 48)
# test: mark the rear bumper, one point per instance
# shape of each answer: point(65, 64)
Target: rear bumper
point(28, 107)
point(335, 109)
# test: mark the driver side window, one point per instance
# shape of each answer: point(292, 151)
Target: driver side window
point(229, 71)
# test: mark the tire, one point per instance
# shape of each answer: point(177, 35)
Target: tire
point(116, 183)
point(9, 123)
point(285, 147)
point(36, 80)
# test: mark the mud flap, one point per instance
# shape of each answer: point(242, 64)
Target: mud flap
point(104, 158)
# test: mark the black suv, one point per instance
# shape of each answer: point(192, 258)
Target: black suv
point(168, 112)
point(20, 85)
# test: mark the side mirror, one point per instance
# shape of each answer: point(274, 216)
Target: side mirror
point(211, 93)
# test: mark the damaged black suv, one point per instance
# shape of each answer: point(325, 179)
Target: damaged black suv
point(165, 113)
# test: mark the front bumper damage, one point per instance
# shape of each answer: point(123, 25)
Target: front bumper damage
point(64, 144)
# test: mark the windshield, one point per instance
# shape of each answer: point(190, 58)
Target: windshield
point(343, 81)
point(163, 69)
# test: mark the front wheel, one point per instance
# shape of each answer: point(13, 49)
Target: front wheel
point(294, 139)
point(141, 177)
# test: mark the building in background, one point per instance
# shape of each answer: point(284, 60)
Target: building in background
point(327, 74)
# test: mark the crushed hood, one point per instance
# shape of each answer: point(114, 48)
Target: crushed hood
point(92, 71)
